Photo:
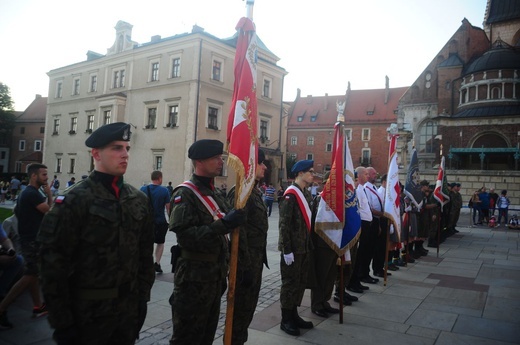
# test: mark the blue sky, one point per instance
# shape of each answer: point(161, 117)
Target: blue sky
point(322, 44)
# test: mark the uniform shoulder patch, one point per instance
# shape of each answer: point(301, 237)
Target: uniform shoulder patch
point(59, 199)
point(177, 199)
point(287, 197)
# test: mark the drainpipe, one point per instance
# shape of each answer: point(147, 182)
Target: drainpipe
point(198, 93)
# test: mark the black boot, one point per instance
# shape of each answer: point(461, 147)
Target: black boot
point(301, 323)
point(414, 254)
point(420, 249)
point(288, 324)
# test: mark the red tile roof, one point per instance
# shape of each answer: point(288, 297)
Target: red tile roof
point(35, 111)
point(363, 106)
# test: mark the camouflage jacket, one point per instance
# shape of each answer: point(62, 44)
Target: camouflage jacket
point(455, 201)
point(205, 253)
point(294, 236)
point(93, 243)
point(254, 234)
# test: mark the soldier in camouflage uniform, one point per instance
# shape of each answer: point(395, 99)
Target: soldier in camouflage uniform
point(96, 250)
point(251, 257)
point(201, 269)
point(295, 244)
point(456, 205)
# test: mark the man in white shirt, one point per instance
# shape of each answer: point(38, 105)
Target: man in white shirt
point(376, 208)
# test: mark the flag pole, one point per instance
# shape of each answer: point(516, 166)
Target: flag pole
point(341, 119)
point(440, 213)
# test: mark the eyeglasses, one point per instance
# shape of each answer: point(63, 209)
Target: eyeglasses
point(312, 172)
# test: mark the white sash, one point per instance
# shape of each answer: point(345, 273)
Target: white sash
point(302, 202)
point(206, 200)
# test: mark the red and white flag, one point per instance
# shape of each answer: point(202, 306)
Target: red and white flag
point(393, 191)
point(441, 192)
point(242, 123)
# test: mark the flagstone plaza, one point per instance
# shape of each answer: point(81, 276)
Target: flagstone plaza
point(469, 294)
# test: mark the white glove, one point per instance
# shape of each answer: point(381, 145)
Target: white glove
point(408, 208)
point(289, 258)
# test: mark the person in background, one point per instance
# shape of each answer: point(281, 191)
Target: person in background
point(493, 198)
point(201, 218)
point(503, 207)
point(476, 204)
point(269, 198)
point(279, 196)
point(252, 256)
point(71, 182)
point(170, 189)
point(484, 205)
point(15, 186)
point(159, 199)
point(30, 209)
point(513, 223)
point(295, 244)
point(55, 185)
point(96, 250)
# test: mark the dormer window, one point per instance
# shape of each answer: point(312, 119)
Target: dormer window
point(300, 118)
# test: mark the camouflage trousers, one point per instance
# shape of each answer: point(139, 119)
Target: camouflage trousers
point(294, 281)
point(326, 271)
point(196, 309)
point(246, 298)
point(454, 218)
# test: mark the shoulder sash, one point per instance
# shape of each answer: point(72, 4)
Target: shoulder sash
point(302, 202)
point(206, 200)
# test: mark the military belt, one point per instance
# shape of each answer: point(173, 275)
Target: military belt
point(186, 254)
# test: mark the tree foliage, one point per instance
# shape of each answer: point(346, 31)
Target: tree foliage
point(289, 162)
point(7, 117)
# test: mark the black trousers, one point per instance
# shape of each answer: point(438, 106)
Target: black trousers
point(365, 252)
point(378, 263)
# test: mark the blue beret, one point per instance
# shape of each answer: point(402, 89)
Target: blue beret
point(104, 135)
point(303, 165)
point(205, 148)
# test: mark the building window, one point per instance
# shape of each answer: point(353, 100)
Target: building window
point(176, 67)
point(72, 168)
point(75, 87)
point(119, 79)
point(310, 141)
point(370, 112)
point(158, 162)
point(266, 91)
point(348, 134)
point(107, 117)
point(300, 118)
point(216, 72)
point(42, 130)
point(37, 145)
point(93, 83)
point(310, 156)
point(313, 118)
point(59, 89)
point(365, 134)
point(212, 118)
point(264, 124)
point(21, 145)
point(328, 147)
point(427, 134)
point(173, 116)
point(365, 157)
point(294, 141)
point(326, 168)
point(73, 125)
point(152, 118)
point(22, 130)
point(90, 123)
point(58, 165)
point(56, 127)
point(294, 156)
point(154, 72)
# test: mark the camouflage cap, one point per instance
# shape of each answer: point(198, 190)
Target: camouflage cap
point(104, 135)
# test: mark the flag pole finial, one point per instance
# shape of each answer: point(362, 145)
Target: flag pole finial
point(249, 8)
point(340, 107)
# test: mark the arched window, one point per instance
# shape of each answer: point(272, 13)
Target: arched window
point(427, 134)
point(495, 93)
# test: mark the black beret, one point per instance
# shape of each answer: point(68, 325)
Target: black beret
point(104, 135)
point(261, 156)
point(205, 148)
point(453, 184)
point(424, 183)
point(457, 184)
point(303, 165)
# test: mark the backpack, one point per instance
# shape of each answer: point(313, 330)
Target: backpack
point(56, 184)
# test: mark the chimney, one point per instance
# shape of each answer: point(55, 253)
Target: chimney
point(196, 29)
point(387, 88)
point(309, 99)
point(298, 93)
point(326, 102)
point(38, 96)
point(155, 38)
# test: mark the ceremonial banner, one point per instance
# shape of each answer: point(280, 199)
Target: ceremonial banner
point(412, 187)
point(441, 192)
point(338, 221)
point(393, 191)
point(242, 122)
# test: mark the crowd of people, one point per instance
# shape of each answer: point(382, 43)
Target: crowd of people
point(485, 205)
point(89, 259)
